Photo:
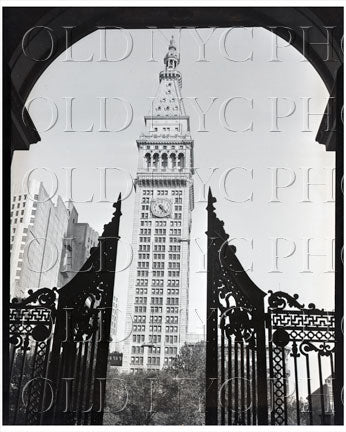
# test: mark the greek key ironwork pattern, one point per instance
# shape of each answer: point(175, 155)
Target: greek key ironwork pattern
point(297, 330)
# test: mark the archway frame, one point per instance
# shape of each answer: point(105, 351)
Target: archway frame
point(21, 73)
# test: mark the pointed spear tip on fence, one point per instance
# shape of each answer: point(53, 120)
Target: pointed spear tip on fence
point(117, 206)
point(211, 201)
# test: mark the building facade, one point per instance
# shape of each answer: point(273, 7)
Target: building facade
point(48, 245)
point(158, 294)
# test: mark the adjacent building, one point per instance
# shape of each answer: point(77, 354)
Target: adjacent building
point(158, 294)
point(48, 244)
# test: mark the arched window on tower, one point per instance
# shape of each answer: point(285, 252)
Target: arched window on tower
point(147, 161)
point(181, 161)
point(155, 161)
point(164, 162)
point(173, 161)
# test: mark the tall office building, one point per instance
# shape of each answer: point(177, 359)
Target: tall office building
point(158, 294)
point(48, 244)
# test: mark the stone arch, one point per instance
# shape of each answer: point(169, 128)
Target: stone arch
point(156, 161)
point(164, 161)
point(173, 161)
point(147, 160)
point(49, 40)
point(181, 161)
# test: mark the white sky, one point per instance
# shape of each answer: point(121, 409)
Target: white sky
point(135, 79)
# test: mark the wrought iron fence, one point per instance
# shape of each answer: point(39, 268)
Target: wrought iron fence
point(266, 363)
point(59, 343)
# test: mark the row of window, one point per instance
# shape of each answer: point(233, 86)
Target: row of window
point(142, 256)
point(174, 256)
point(157, 282)
point(160, 231)
point(140, 309)
point(161, 223)
point(141, 291)
point(154, 361)
point(24, 197)
point(170, 319)
point(159, 256)
point(155, 338)
point(172, 300)
point(157, 300)
point(139, 318)
point(155, 328)
point(17, 213)
point(144, 239)
point(141, 282)
point(158, 264)
point(145, 231)
point(158, 274)
point(157, 309)
point(164, 146)
point(174, 192)
point(157, 291)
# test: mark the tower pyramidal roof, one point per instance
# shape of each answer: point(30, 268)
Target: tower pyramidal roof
point(168, 100)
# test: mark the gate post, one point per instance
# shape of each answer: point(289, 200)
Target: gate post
point(262, 379)
point(235, 311)
point(211, 384)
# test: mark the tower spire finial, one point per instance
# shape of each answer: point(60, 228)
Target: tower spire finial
point(172, 42)
point(171, 59)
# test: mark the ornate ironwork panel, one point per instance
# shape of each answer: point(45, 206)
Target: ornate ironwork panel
point(301, 352)
point(59, 343)
point(276, 365)
point(31, 325)
point(236, 387)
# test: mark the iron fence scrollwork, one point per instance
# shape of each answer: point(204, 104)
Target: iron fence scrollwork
point(267, 363)
point(59, 343)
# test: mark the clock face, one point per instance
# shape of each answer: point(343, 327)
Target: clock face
point(161, 207)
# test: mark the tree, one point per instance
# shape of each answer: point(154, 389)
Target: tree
point(170, 396)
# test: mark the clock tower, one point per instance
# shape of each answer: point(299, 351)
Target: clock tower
point(158, 293)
